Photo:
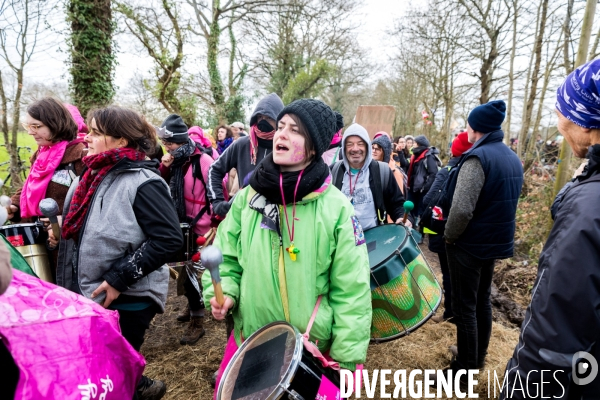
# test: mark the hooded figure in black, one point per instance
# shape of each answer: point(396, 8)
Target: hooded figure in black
point(245, 153)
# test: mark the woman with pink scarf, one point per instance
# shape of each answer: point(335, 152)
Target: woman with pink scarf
point(54, 165)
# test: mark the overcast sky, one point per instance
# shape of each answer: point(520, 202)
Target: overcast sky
point(374, 16)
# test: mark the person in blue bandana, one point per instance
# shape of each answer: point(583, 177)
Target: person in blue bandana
point(559, 346)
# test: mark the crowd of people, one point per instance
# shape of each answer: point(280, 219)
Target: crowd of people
point(287, 204)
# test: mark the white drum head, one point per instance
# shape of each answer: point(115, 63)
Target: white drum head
point(261, 367)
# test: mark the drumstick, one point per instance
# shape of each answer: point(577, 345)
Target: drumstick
point(50, 209)
point(5, 201)
point(408, 207)
point(211, 259)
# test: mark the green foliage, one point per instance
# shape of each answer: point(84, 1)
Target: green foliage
point(92, 58)
point(308, 82)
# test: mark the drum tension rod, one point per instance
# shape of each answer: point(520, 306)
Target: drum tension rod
point(293, 395)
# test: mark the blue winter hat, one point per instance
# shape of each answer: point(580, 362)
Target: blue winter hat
point(488, 117)
point(578, 98)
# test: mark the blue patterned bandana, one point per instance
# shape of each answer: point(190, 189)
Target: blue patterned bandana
point(578, 98)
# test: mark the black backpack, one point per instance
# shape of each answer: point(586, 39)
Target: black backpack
point(197, 173)
point(380, 172)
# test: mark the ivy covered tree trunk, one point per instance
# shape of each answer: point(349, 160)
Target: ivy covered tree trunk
point(92, 58)
point(212, 58)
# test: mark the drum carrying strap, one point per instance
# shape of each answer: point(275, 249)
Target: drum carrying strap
point(283, 286)
point(311, 347)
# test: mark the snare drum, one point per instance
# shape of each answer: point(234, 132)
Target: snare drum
point(273, 364)
point(405, 292)
point(29, 240)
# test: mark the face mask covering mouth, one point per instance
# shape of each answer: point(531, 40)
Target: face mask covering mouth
point(264, 126)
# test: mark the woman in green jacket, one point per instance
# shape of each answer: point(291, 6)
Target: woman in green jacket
point(290, 237)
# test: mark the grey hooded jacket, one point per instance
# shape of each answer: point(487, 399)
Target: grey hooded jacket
point(112, 245)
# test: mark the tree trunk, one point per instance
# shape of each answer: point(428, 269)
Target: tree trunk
point(511, 77)
point(594, 49)
point(567, 33)
point(92, 58)
point(216, 83)
point(535, 76)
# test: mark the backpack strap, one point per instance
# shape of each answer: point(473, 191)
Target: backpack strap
point(335, 158)
point(337, 174)
point(384, 173)
point(197, 173)
point(377, 189)
point(70, 167)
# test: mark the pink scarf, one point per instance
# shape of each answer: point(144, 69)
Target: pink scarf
point(254, 133)
point(336, 138)
point(34, 189)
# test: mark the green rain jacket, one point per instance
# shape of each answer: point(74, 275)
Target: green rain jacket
point(332, 262)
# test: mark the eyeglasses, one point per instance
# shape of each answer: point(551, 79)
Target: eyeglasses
point(33, 127)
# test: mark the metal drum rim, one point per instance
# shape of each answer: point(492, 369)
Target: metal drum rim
point(287, 378)
point(398, 247)
point(37, 224)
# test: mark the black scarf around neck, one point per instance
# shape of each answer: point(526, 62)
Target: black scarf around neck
point(265, 180)
point(593, 166)
point(418, 150)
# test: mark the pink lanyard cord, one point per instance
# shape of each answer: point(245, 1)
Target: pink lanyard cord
point(290, 233)
point(355, 182)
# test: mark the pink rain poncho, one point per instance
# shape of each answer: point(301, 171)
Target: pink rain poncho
point(65, 346)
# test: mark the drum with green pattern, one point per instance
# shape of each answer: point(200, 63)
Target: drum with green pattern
point(405, 292)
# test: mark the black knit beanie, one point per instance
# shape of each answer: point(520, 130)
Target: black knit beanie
point(421, 140)
point(488, 117)
point(339, 121)
point(174, 130)
point(318, 118)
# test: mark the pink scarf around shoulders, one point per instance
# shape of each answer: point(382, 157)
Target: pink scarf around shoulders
point(40, 175)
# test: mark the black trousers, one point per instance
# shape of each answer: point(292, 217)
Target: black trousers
point(194, 298)
point(471, 279)
point(135, 323)
point(417, 199)
point(447, 284)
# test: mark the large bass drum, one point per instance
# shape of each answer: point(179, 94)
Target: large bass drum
point(405, 292)
point(29, 240)
point(273, 364)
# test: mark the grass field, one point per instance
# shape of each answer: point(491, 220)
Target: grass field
point(23, 139)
